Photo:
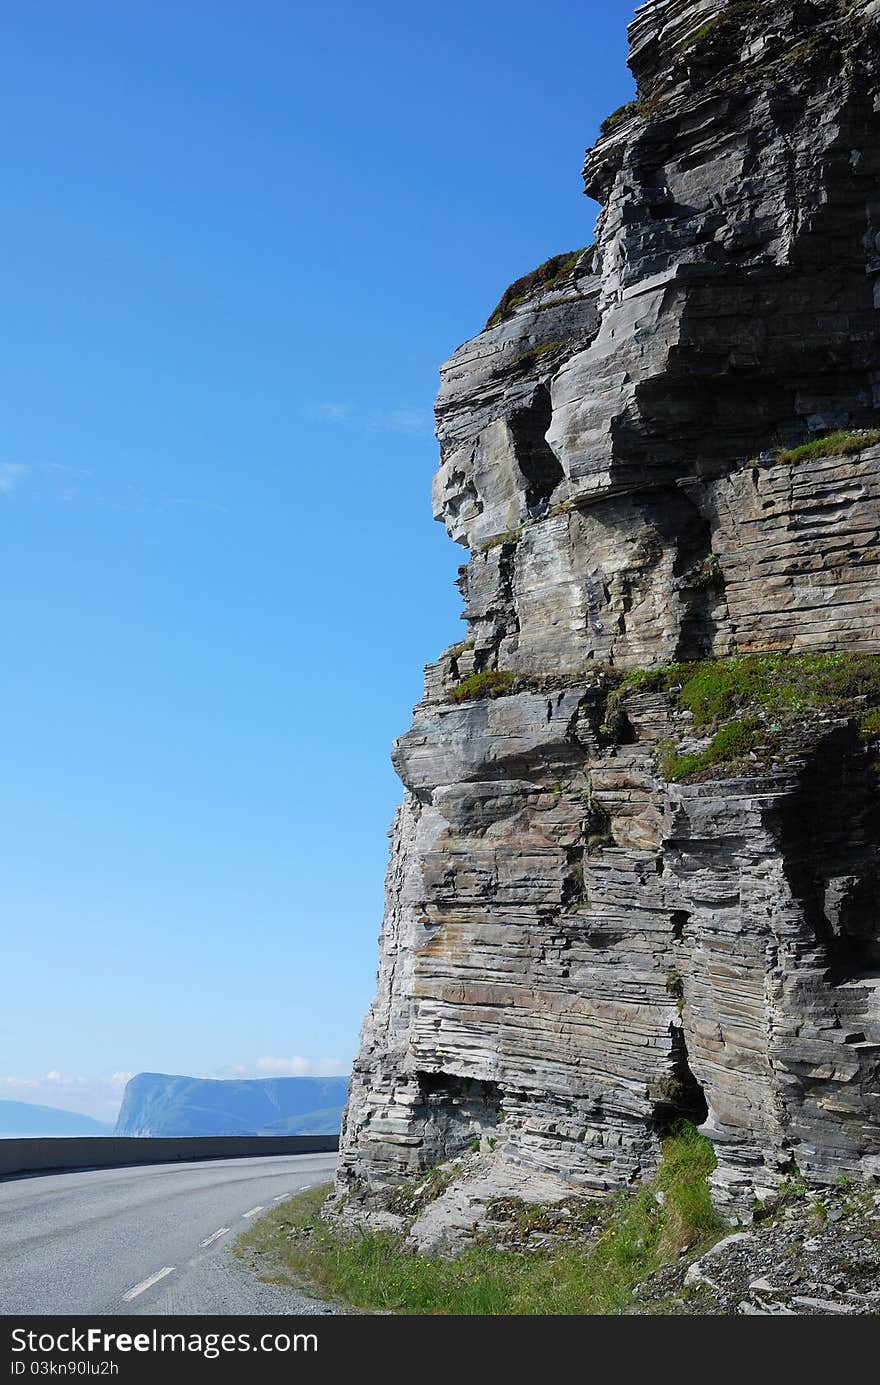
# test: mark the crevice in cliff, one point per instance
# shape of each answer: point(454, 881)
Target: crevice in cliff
point(455, 1111)
point(700, 581)
point(829, 837)
point(678, 1095)
point(678, 923)
point(573, 891)
point(536, 459)
point(499, 620)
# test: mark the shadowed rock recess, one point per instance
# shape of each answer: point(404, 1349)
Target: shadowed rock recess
point(613, 901)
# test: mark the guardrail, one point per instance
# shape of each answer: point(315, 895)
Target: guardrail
point(111, 1151)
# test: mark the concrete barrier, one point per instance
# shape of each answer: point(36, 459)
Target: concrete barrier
point(107, 1152)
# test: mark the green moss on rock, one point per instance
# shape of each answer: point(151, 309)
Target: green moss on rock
point(617, 117)
point(730, 744)
point(492, 683)
point(535, 351)
point(717, 689)
point(754, 702)
point(839, 444)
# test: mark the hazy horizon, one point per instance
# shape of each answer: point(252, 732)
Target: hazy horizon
point(111, 1120)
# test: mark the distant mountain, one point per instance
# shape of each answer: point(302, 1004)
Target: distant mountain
point(156, 1103)
point(24, 1120)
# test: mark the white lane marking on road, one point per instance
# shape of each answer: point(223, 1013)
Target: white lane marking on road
point(147, 1283)
point(254, 1210)
point(215, 1236)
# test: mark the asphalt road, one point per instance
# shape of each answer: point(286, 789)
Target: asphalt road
point(148, 1240)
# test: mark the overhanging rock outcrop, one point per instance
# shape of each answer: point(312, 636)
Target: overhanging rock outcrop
point(635, 873)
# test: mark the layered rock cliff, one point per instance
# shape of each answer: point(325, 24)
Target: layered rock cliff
point(635, 872)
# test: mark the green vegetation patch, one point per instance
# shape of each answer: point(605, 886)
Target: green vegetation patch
point(497, 540)
point(412, 1196)
point(630, 1236)
point(535, 351)
point(717, 689)
point(729, 744)
point(869, 724)
point(751, 700)
point(544, 277)
point(512, 1220)
point(704, 32)
point(456, 650)
point(792, 1189)
point(690, 1220)
point(840, 444)
point(723, 24)
point(804, 51)
point(675, 984)
point(643, 106)
point(492, 683)
point(617, 117)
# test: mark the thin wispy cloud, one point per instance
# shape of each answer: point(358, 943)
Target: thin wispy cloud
point(405, 421)
point(294, 1066)
point(11, 473)
point(340, 414)
point(79, 485)
point(301, 1067)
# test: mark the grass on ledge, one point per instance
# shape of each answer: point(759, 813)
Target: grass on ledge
point(752, 700)
point(491, 683)
point(869, 724)
point(536, 351)
point(840, 444)
point(373, 1271)
point(779, 686)
point(542, 279)
point(729, 744)
point(715, 690)
point(618, 116)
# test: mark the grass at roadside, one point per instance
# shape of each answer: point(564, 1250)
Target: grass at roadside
point(374, 1271)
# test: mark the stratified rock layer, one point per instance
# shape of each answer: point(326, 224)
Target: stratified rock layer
point(575, 951)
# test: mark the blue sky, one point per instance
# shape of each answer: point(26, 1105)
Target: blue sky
point(238, 240)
